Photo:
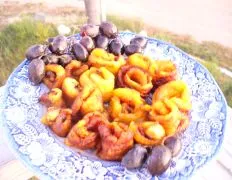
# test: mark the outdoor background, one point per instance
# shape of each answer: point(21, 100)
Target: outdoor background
point(202, 28)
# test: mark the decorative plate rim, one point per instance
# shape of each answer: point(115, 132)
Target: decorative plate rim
point(11, 143)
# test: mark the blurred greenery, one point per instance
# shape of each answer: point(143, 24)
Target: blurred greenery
point(224, 81)
point(123, 23)
point(16, 38)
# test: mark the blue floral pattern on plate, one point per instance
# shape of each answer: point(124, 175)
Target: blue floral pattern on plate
point(49, 158)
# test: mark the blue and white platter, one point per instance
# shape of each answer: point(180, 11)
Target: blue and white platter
point(47, 156)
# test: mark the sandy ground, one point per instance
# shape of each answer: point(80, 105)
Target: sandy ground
point(203, 19)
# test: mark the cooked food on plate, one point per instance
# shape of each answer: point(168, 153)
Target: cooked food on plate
point(98, 97)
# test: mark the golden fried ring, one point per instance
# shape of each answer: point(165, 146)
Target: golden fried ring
point(84, 134)
point(164, 72)
point(75, 68)
point(101, 58)
point(116, 140)
point(161, 71)
point(53, 98)
point(100, 78)
point(147, 133)
point(80, 137)
point(176, 91)
point(167, 114)
point(136, 78)
point(139, 60)
point(54, 76)
point(70, 88)
point(88, 100)
point(76, 105)
point(126, 105)
point(59, 120)
point(93, 102)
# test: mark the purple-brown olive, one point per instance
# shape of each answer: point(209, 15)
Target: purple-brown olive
point(116, 47)
point(108, 29)
point(132, 48)
point(102, 42)
point(50, 59)
point(89, 30)
point(141, 41)
point(135, 157)
point(148, 98)
point(88, 43)
point(65, 59)
point(159, 160)
point(80, 52)
point(50, 39)
point(36, 71)
point(59, 45)
point(35, 51)
point(174, 144)
point(46, 51)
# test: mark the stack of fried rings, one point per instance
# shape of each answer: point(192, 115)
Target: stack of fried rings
point(101, 104)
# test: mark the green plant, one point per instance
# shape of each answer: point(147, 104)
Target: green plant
point(209, 51)
point(122, 23)
point(224, 81)
point(227, 90)
point(213, 68)
point(16, 38)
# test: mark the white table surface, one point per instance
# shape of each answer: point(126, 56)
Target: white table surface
point(219, 168)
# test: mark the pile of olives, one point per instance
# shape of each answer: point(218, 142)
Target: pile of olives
point(158, 158)
point(60, 50)
point(106, 37)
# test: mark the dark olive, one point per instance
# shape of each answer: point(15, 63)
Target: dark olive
point(102, 42)
point(47, 51)
point(148, 98)
point(132, 48)
point(108, 29)
point(149, 149)
point(89, 30)
point(116, 47)
point(59, 45)
point(36, 71)
point(50, 39)
point(50, 59)
point(65, 59)
point(141, 41)
point(88, 43)
point(71, 40)
point(159, 160)
point(174, 144)
point(135, 157)
point(80, 52)
point(35, 51)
